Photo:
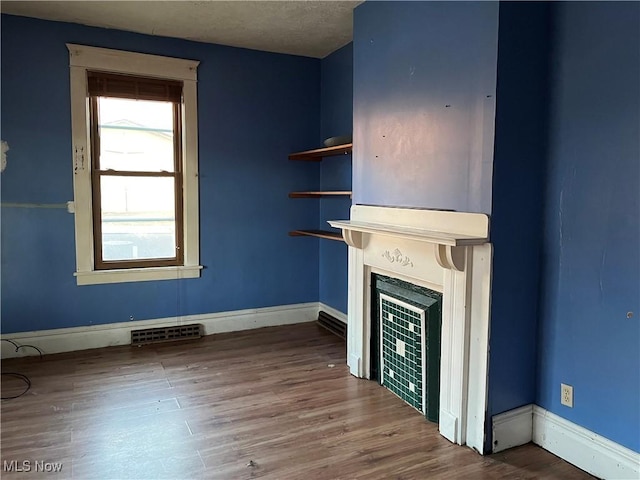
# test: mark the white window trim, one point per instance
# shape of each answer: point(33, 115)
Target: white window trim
point(81, 59)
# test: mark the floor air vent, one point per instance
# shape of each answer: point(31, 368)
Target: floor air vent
point(332, 324)
point(166, 334)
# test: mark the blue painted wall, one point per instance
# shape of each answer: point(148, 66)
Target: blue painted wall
point(591, 236)
point(574, 175)
point(411, 60)
point(336, 89)
point(518, 194)
point(254, 109)
point(563, 187)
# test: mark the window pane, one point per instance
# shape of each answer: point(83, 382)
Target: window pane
point(138, 218)
point(135, 135)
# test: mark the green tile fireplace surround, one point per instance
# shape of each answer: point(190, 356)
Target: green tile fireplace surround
point(405, 342)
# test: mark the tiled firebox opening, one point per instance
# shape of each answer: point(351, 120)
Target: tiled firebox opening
point(406, 357)
point(401, 346)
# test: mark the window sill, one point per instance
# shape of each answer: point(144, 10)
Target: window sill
point(98, 277)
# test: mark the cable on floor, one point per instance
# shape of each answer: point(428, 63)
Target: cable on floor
point(18, 347)
point(20, 376)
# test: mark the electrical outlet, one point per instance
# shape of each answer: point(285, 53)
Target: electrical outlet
point(566, 395)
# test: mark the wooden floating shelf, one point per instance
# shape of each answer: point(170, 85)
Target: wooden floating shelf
point(337, 193)
point(317, 154)
point(317, 233)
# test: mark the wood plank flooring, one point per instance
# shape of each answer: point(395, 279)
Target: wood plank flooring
point(274, 403)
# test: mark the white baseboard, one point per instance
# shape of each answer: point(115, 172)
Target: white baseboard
point(583, 448)
point(98, 336)
point(334, 313)
point(587, 450)
point(355, 367)
point(448, 426)
point(512, 428)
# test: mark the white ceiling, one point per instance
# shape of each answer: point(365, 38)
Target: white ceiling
point(311, 28)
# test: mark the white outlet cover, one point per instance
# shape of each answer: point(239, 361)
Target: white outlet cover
point(566, 395)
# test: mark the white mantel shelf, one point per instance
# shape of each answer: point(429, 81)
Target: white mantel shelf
point(441, 238)
point(450, 232)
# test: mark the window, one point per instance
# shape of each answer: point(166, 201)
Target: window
point(136, 171)
point(134, 126)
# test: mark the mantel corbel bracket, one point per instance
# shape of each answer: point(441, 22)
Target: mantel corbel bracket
point(352, 237)
point(450, 257)
point(450, 245)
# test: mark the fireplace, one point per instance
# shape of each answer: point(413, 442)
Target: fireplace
point(449, 253)
point(405, 342)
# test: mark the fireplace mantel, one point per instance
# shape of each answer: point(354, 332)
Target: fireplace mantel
point(448, 252)
point(443, 238)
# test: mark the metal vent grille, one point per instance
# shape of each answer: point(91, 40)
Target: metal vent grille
point(166, 334)
point(332, 324)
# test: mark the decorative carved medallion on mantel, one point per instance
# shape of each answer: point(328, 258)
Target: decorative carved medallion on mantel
point(398, 257)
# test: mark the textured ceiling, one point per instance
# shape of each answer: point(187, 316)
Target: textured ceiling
point(310, 28)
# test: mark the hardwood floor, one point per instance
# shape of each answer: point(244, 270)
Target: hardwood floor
point(274, 403)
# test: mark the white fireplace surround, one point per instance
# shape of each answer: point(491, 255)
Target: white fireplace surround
point(448, 252)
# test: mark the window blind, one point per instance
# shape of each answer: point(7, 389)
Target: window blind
point(138, 88)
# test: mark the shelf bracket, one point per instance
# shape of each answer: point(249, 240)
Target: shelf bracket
point(352, 237)
point(450, 257)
